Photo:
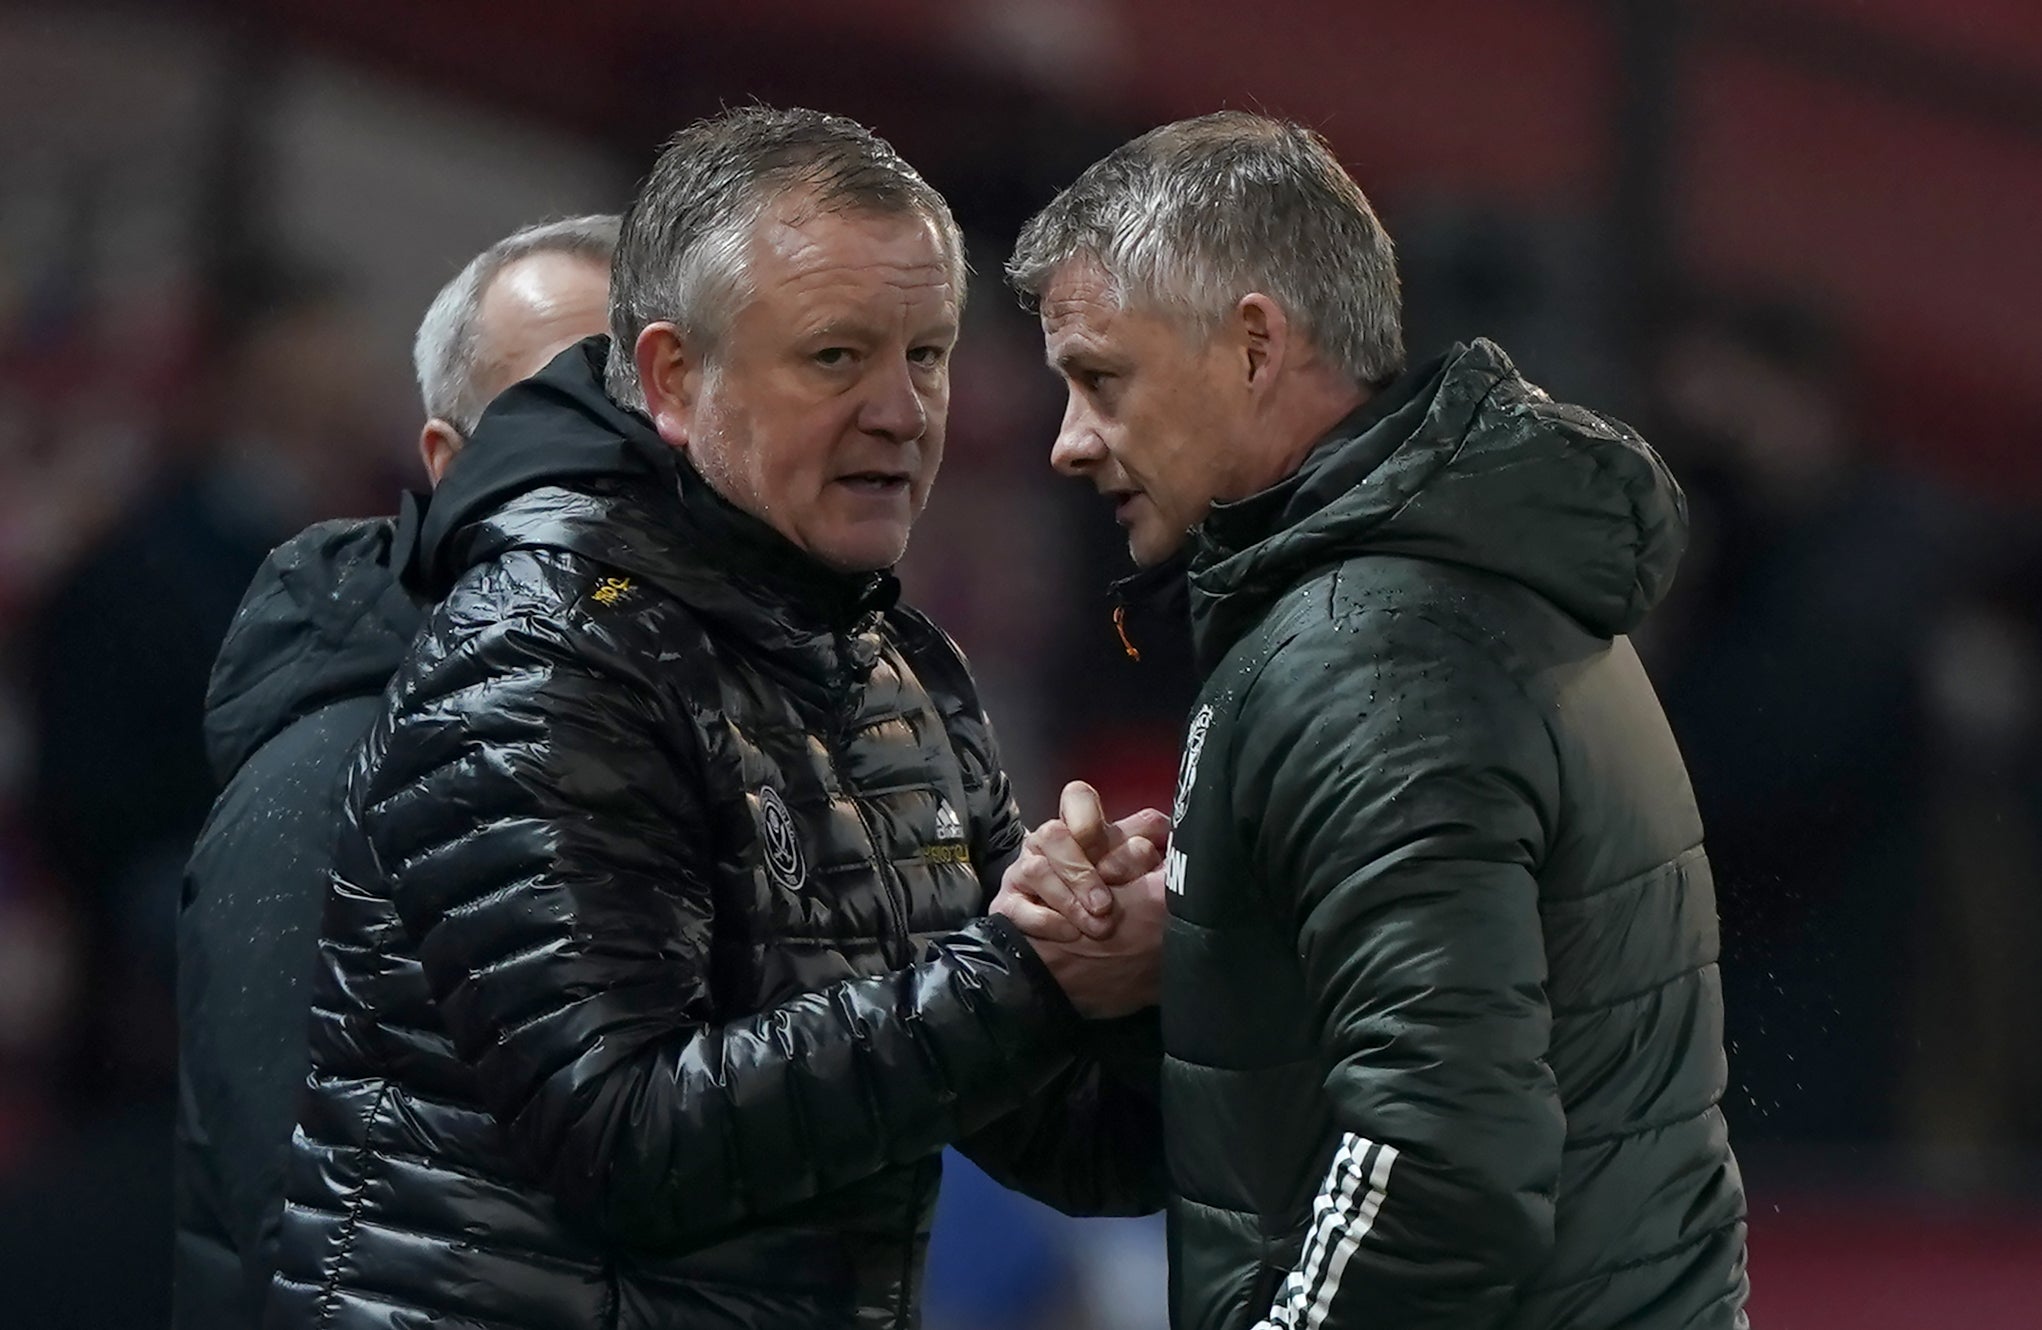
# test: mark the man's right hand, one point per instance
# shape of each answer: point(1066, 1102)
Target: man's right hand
point(1090, 897)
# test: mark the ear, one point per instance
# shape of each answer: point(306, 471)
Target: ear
point(671, 375)
point(437, 444)
point(1264, 330)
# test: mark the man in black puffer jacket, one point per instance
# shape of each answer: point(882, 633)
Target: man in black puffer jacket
point(1442, 1019)
point(295, 688)
point(657, 971)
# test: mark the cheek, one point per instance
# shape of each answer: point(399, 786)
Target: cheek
point(808, 451)
point(1175, 449)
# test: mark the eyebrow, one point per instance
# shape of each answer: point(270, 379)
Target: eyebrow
point(843, 327)
point(1065, 359)
point(862, 330)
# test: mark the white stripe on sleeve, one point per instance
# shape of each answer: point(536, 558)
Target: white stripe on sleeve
point(1364, 1220)
point(1342, 1215)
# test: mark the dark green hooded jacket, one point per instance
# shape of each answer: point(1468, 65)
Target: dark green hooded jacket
point(1441, 1005)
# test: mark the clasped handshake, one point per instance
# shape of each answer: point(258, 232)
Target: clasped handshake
point(1089, 894)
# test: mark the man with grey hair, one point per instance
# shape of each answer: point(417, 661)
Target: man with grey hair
point(660, 969)
point(1442, 1020)
point(514, 307)
point(317, 637)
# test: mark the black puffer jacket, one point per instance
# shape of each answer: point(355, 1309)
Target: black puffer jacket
point(1441, 1006)
point(654, 978)
point(295, 688)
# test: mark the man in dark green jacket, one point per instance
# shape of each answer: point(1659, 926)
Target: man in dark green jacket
point(1441, 1005)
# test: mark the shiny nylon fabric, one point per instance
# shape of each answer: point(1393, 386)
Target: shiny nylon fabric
point(594, 1044)
point(1443, 889)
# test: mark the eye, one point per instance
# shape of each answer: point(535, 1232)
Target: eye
point(929, 355)
point(1092, 380)
point(832, 356)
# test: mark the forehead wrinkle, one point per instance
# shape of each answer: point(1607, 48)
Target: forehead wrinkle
point(825, 285)
point(842, 300)
point(1075, 326)
point(812, 270)
point(794, 239)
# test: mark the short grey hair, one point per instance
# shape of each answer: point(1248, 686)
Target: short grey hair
point(1191, 217)
point(686, 237)
point(447, 351)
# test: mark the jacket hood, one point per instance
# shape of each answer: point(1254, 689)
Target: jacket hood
point(326, 619)
point(1464, 462)
point(556, 428)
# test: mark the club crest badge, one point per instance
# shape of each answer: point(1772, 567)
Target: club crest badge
point(1187, 766)
point(784, 859)
point(1176, 867)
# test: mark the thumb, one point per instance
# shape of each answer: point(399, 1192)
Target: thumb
point(1081, 811)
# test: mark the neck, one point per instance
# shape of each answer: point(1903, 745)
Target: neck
point(762, 556)
point(1301, 419)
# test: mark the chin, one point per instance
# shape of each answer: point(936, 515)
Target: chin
point(1148, 548)
point(865, 554)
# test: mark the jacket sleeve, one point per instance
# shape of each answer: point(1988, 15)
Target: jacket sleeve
point(546, 847)
point(258, 871)
point(1397, 809)
point(1091, 1143)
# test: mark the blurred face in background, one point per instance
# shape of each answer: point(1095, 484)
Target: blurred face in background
point(303, 373)
point(1157, 417)
point(1779, 429)
point(822, 408)
point(292, 427)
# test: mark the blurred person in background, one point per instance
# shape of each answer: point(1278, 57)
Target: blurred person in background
point(268, 435)
point(1972, 1089)
point(295, 688)
point(1442, 938)
point(121, 651)
point(657, 971)
point(1792, 663)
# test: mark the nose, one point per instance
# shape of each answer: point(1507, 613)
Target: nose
point(1077, 443)
point(894, 409)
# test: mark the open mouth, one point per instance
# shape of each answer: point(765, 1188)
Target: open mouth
point(1123, 502)
point(875, 482)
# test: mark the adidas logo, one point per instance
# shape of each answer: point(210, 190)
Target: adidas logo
point(949, 826)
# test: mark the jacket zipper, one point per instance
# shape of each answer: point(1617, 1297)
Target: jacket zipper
point(898, 954)
point(889, 884)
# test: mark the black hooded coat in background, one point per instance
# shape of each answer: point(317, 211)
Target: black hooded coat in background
point(295, 688)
